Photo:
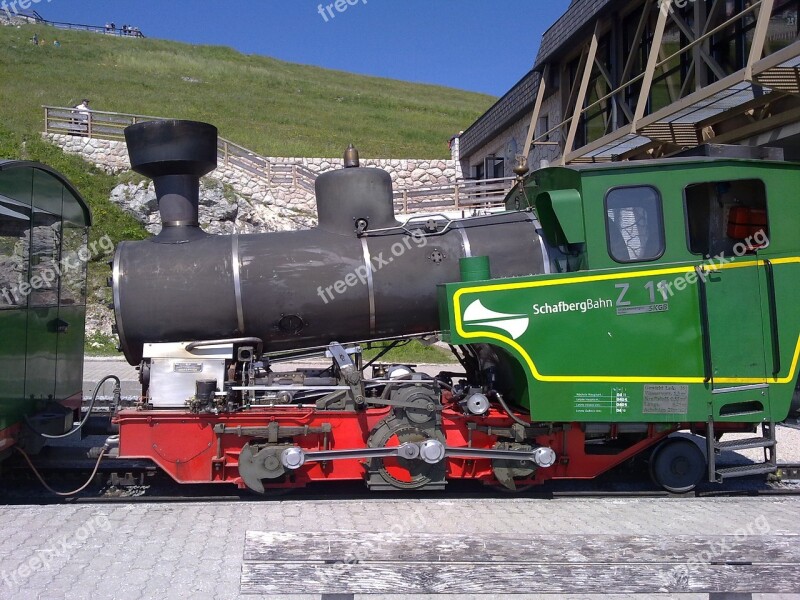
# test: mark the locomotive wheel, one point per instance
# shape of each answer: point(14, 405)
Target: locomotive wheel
point(401, 473)
point(407, 474)
point(677, 465)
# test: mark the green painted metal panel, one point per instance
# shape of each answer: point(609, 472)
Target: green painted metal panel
point(41, 329)
point(42, 354)
point(13, 328)
point(69, 366)
point(613, 343)
point(567, 208)
point(735, 322)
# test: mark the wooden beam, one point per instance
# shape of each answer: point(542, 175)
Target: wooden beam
point(771, 122)
point(652, 61)
point(759, 37)
point(537, 108)
point(427, 563)
point(581, 98)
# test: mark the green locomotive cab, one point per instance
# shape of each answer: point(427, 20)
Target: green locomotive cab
point(43, 256)
point(669, 301)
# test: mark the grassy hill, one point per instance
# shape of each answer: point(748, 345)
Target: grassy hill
point(273, 107)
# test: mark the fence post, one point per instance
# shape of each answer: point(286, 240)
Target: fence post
point(458, 204)
point(89, 124)
point(294, 175)
point(225, 153)
point(46, 119)
point(405, 202)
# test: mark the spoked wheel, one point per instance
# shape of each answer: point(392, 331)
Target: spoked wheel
point(677, 465)
point(400, 473)
point(408, 474)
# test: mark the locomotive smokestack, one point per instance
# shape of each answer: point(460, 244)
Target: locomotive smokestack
point(175, 155)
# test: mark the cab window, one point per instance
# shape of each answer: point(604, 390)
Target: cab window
point(727, 217)
point(634, 224)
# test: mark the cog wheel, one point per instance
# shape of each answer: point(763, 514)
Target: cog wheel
point(398, 472)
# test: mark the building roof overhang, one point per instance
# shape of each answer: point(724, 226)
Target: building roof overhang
point(682, 122)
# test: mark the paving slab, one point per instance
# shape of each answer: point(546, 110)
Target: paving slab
point(196, 550)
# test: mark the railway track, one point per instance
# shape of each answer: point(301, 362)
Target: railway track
point(139, 481)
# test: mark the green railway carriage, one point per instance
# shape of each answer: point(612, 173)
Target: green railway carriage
point(43, 254)
point(670, 297)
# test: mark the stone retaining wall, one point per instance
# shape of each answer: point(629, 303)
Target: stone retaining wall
point(112, 157)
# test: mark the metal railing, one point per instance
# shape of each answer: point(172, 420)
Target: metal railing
point(111, 126)
point(130, 32)
point(461, 194)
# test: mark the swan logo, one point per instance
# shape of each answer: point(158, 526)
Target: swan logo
point(514, 325)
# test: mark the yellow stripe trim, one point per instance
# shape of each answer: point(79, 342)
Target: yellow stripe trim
point(610, 277)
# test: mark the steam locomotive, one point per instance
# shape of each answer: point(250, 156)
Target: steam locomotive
point(611, 310)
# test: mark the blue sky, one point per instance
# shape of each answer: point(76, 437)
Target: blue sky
point(479, 45)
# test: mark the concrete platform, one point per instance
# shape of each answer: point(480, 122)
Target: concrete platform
point(195, 550)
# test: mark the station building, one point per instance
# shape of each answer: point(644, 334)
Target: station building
point(632, 79)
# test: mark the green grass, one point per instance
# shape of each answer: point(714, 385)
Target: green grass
point(273, 107)
point(94, 185)
point(270, 106)
point(98, 344)
point(412, 353)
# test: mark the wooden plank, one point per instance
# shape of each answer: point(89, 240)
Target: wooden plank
point(433, 548)
point(514, 578)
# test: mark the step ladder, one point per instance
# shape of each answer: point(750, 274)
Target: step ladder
point(766, 441)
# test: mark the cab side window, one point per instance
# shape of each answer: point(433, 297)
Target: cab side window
point(727, 217)
point(634, 224)
point(15, 225)
point(45, 249)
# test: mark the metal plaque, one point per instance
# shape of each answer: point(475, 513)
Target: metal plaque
point(188, 367)
point(640, 310)
point(666, 399)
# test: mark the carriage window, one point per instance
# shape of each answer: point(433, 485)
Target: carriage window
point(45, 250)
point(15, 224)
point(73, 261)
point(635, 224)
point(727, 217)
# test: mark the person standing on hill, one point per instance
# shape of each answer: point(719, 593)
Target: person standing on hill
point(83, 113)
